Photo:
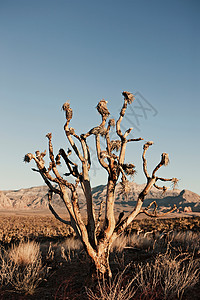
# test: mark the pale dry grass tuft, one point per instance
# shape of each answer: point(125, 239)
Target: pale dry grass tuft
point(117, 289)
point(168, 276)
point(187, 240)
point(70, 248)
point(24, 253)
point(21, 267)
point(142, 241)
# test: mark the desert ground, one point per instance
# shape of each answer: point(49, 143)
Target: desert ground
point(41, 258)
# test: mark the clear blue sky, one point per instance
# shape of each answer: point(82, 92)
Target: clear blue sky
point(51, 51)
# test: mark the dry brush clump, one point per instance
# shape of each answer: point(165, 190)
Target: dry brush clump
point(70, 249)
point(14, 229)
point(166, 271)
point(168, 276)
point(21, 267)
point(156, 242)
point(120, 288)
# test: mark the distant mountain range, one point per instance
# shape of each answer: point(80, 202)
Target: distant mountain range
point(35, 198)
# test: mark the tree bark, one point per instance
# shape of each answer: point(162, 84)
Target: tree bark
point(110, 217)
point(102, 260)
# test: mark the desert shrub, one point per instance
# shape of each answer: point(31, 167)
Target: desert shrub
point(121, 288)
point(140, 241)
point(40, 228)
point(188, 240)
point(169, 276)
point(21, 267)
point(158, 241)
point(25, 253)
point(70, 249)
point(119, 244)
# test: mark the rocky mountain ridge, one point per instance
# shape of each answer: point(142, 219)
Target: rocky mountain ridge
point(36, 198)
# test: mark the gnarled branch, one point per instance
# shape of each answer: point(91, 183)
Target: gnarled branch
point(145, 148)
point(155, 214)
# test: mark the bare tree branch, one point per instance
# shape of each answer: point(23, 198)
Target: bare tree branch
point(164, 162)
point(99, 154)
point(145, 148)
point(128, 99)
point(155, 214)
point(135, 140)
point(48, 183)
point(57, 216)
point(99, 216)
point(164, 179)
point(163, 188)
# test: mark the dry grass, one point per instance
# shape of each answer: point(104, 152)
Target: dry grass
point(157, 242)
point(24, 253)
point(39, 228)
point(70, 249)
point(169, 276)
point(117, 289)
point(140, 241)
point(163, 255)
point(21, 267)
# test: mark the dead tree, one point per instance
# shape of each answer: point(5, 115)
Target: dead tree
point(97, 239)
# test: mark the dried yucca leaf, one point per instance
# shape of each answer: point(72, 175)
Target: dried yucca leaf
point(49, 135)
point(147, 144)
point(95, 130)
point(98, 130)
point(129, 169)
point(103, 131)
point(102, 108)
point(111, 122)
point(66, 106)
point(174, 182)
point(69, 113)
point(164, 159)
point(28, 157)
point(128, 96)
point(124, 188)
point(115, 145)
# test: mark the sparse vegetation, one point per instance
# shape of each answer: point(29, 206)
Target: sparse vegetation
point(21, 267)
point(146, 264)
point(168, 276)
point(14, 229)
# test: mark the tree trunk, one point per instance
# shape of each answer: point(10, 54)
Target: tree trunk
point(110, 217)
point(102, 261)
